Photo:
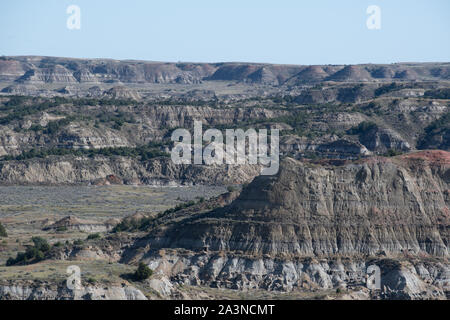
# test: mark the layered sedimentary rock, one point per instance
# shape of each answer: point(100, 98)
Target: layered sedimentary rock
point(318, 226)
point(53, 74)
point(326, 147)
point(149, 124)
point(73, 223)
point(378, 205)
point(398, 280)
point(83, 170)
point(39, 291)
point(65, 70)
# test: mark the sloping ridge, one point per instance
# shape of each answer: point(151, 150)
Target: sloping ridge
point(392, 205)
point(351, 73)
point(309, 74)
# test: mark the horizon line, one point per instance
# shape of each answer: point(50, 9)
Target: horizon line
point(221, 62)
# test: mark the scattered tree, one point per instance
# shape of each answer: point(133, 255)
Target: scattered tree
point(93, 236)
point(32, 254)
point(3, 233)
point(143, 272)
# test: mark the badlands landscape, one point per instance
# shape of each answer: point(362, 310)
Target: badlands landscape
point(86, 180)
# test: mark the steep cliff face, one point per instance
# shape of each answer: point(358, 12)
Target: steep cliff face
point(82, 170)
point(380, 205)
point(383, 140)
point(53, 74)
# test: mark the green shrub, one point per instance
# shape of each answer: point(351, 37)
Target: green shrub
point(392, 153)
point(10, 262)
point(3, 233)
point(387, 88)
point(363, 127)
point(180, 207)
point(441, 93)
point(36, 127)
point(40, 244)
point(146, 222)
point(143, 272)
point(32, 254)
point(133, 225)
point(78, 242)
point(438, 128)
point(58, 244)
point(91, 281)
point(94, 236)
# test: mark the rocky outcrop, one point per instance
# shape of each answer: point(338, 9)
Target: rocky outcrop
point(21, 89)
point(398, 279)
point(11, 69)
point(53, 74)
point(42, 291)
point(345, 93)
point(74, 223)
point(392, 205)
point(326, 147)
point(382, 140)
point(122, 92)
point(158, 171)
point(198, 95)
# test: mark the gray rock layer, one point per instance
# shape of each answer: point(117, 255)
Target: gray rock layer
point(34, 291)
point(406, 280)
point(159, 171)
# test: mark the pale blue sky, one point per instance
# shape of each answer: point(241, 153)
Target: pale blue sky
point(282, 31)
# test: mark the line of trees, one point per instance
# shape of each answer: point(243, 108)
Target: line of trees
point(143, 153)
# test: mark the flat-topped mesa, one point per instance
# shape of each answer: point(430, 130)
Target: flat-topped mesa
point(394, 205)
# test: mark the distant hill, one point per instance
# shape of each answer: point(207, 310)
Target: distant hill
point(34, 69)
